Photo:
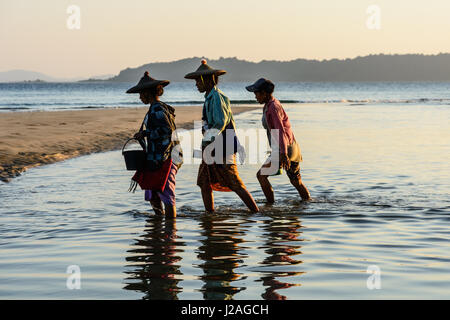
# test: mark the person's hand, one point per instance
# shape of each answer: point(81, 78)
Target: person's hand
point(139, 135)
point(284, 161)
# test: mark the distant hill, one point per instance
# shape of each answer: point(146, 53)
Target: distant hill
point(26, 75)
point(407, 67)
point(23, 75)
point(99, 78)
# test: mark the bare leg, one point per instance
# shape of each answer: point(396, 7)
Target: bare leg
point(171, 211)
point(248, 199)
point(301, 188)
point(266, 187)
point(156, 203)
point(208, 199)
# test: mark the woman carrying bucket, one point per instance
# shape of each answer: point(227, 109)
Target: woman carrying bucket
point(162, 163)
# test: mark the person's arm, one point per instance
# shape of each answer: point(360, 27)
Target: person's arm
point(220, 113)
point(274, 120)
point(140, 134)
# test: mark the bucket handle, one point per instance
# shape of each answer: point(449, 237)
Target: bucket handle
point(123, 148)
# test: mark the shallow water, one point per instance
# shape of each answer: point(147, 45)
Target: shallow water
point(379, 176)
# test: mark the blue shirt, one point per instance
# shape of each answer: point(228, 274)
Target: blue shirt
point(217, 114)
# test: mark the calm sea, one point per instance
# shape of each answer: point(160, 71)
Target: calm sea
point(378, 169)
point(62, 96)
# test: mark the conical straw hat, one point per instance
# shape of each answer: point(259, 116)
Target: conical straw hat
point(204, 70)
point(147, 82)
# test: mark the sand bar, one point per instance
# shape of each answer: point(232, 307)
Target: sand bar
point(29, 139)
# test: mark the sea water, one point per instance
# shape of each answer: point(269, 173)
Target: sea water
point(377, 227)
point(31, 96)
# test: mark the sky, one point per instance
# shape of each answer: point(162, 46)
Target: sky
point(114, 35)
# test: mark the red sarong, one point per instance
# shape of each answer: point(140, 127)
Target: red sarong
point(153, 180)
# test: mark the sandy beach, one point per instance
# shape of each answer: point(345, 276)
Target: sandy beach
point(29, 139)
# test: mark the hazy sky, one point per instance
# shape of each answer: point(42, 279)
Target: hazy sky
point(116, 34)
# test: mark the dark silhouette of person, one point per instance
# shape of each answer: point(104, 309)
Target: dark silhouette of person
point(155, 268)
point(282, 245)
point(220, 254)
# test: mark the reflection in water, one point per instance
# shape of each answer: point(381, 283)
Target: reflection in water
point(221, 255)
point(281, 246)
point(155, 270)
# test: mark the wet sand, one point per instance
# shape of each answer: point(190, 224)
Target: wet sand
point(29, 139)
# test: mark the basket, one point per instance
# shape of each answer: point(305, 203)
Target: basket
point(134, 159)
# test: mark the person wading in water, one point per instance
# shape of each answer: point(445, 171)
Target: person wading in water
point(157, 129)
point(218, 135)
point(286, 151)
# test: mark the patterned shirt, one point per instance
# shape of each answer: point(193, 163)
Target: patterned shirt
point(159, 125)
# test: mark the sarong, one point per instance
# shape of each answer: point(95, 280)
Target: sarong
point(220, 177)
point(167, 196)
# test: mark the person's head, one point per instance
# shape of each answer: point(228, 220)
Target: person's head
point(206, 83)
point(263, 96)
point(205, 77)
point(149, 89)
point(152, 94)
point(263, 90)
